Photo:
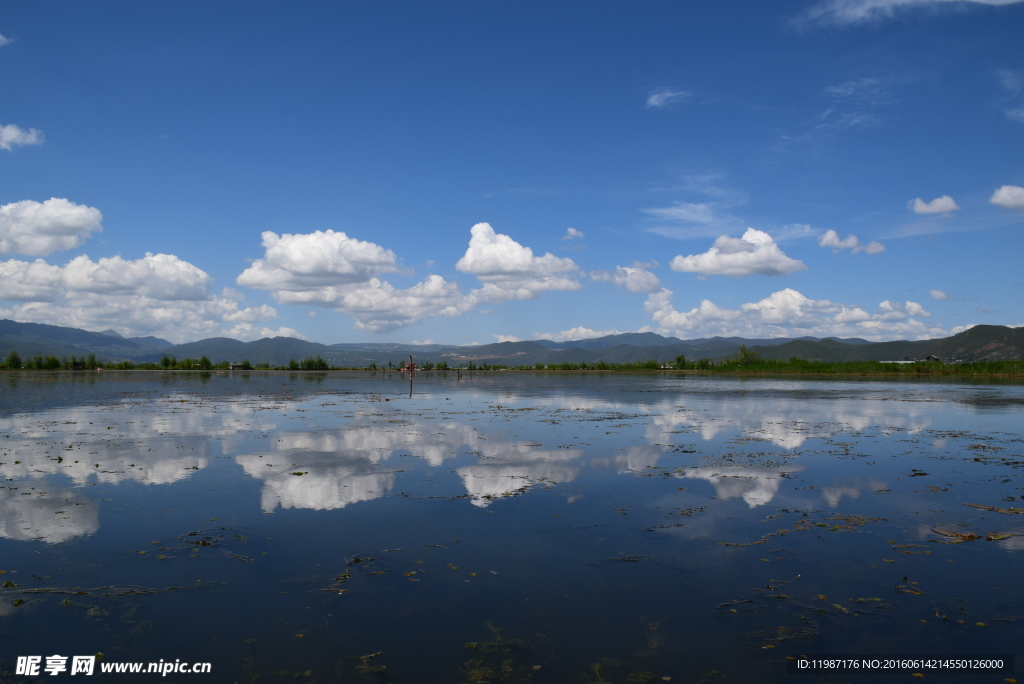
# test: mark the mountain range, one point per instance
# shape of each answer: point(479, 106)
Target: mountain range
point(980, 343)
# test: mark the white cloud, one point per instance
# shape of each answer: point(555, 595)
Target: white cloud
point(659, 305)
point(939, 205)
point(635, 278)
point(851, 12)
point(162, 277)
point(1008, 197)
point(830, 238)
point(663, 97)
point(915, 309)
point(333, 270)
point(939, 295)
point(156, 295)
point(754, 253)
point(510, 270)
point(11, 135)
point(248, 331)
point(505, 338)
point(39, 228)
point(318, 259)
point(27, 282)
point(378, 306)
point(4, 40)
point(577, 333)
point(572, 234)
point(788, 313)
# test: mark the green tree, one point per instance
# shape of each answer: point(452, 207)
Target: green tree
point(681, 362)
point(13, 360)
point(314, 363)
point(745, 356)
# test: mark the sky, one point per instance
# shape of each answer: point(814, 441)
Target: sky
point(473, 172)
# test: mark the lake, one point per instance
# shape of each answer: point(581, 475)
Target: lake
point(508, 527)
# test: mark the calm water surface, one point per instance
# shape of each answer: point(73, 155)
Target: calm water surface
point(507, 527)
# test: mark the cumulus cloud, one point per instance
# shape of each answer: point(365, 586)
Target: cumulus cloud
point(505, 338)
point(1008, 197)
point(162, 277)
point(11, 135)
point(377, 306)
point(939, 205)
point(830, 238)
point(332, 270)
point(510, 270)
point(37, 281)
point(577, 333)
point(635, 278)
point(938, 295)
point(157, 295)
point(39, 228)
point(852, 12)
point(754, 253)
point(572, 234)
point(662, 97)
point(788, 313)
point(318, 259)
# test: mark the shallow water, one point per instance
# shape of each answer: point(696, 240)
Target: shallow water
point(508, 527)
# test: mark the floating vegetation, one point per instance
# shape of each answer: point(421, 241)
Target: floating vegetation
point(1004, 511)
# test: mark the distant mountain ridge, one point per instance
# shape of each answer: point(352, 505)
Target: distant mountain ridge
point(30, 339)
point(980, 343)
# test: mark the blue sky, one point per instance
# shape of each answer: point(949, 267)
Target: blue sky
point(463, 172)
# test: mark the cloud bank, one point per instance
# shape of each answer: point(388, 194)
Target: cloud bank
point(159, 294)
point(788, 313)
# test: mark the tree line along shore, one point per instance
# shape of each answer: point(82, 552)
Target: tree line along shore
point(745, 363)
